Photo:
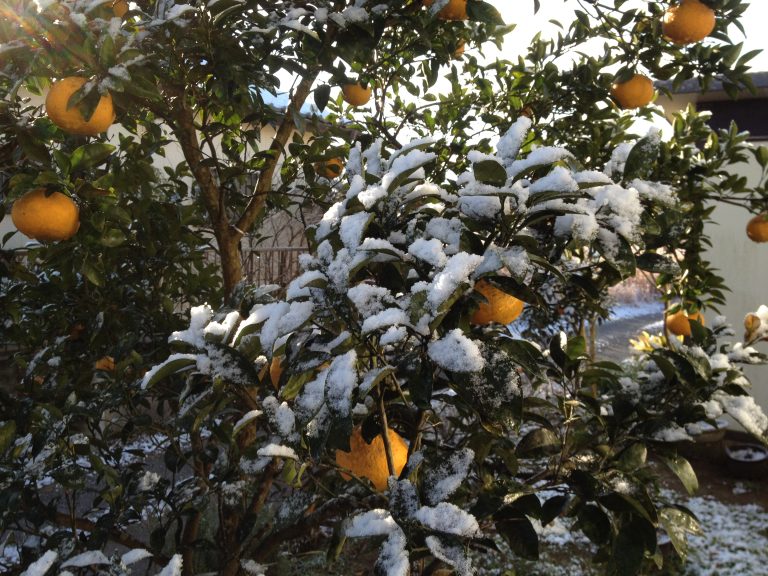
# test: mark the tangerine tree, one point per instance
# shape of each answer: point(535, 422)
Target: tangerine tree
point(377, 398)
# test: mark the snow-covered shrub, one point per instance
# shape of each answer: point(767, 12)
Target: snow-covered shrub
point(376, 332)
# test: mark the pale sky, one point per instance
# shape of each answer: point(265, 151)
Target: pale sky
point(521, 13)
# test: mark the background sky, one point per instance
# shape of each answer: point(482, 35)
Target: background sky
point(520, 12)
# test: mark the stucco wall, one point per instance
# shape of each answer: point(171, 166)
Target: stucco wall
point(742, 263)
point(281, 228)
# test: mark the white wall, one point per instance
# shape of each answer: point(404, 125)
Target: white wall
point(281, 227)
point(742, 263)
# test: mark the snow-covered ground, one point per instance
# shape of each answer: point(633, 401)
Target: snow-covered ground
point(627, 310)
point(734, 542)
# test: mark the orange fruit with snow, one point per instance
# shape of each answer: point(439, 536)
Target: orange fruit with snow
point(69, 118)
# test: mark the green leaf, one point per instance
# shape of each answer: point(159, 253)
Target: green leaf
point(372, 378)
point(479, 11)
point(92, 273)
point(90, 155)
point(576, 348)
point(657, 263)
point(594, 523)
point(112, 238)
point(33, 148)
point(628, 550)
point(244, 421)
point(490, 172)
point(400, 179)
point(173, 365)
point(633, 457)
point(322, 95)
point(537, 442)
point(552, 508)
point(642, 158)
point(677, 524)
point(684, 471)
point(520, 535)
point(7, 435)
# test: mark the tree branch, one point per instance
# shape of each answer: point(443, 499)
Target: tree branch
point(264, 185)
point(122, 538)
point(190, 146)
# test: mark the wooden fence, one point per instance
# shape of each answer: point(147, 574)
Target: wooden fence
point(277, 265)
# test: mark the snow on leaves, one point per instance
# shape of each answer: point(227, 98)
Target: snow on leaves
point(383, 304)
point(457, 353)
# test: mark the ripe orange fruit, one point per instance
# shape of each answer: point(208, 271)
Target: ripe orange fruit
point(757, 228)
point(688, 22)
point(634, 93)
point(71, 119)
point(370, 460)
point(106, 363)
point(46, 218)
point(330, 168)
point(120, 8)
point(501, 307)
point(679, 323)
point(454, 10)
point(355, 94)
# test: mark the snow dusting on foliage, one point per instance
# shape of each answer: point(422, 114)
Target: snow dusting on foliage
point(457, 271)
point(277, 451)
point(457, 353)
point(341, 382)
point(200, 316)
point(135, 555)
point(745, 411)
point(41, 566)
point(173, 568)
point(450, 554)
point(393, 558)
point(444, 480)
point(448, 518)
point(383, 300)
point(510, 144)
point(376, 522)
point(90, 558)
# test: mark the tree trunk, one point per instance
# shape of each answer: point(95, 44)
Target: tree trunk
point(231, 261)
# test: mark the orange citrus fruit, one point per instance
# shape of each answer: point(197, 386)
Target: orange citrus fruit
point(370, 460)
point(106, 363)
point(46, 217)
point(454, 10)
point(634, 93)
point(679, 323)
point(71, 119)
point(330, 168)
point(120, 8)
point(501, 307)
point(356, 94)
point(757, 228)
point(688, 22)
